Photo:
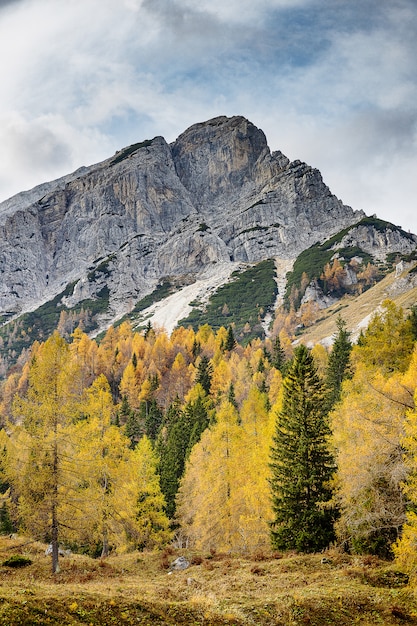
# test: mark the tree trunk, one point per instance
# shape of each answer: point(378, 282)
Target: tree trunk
point(54, 529)
point(105, 550)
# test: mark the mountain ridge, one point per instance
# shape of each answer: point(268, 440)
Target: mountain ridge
point(135, 199)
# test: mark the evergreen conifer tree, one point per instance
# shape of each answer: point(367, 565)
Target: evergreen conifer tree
point(153, 417)
point(231, 396)
point(196, 348)
point(301, 464)
point(172, 447)
point(183, 430)
point(278, 355)
point(134, 428)
point(198, 418)
point(204, 373)
point(338, 365)
point(230, 340)
point(148, 330)
point(123, 412)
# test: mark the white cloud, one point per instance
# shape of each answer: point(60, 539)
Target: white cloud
point(332, 84)
point(242, 11)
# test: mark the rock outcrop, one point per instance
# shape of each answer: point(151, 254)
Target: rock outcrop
point(378, 242)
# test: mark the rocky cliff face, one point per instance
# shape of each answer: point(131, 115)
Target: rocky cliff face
point(215, 196)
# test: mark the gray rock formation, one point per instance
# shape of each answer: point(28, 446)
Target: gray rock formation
point(378, 241)
point(215, 195)
point(313, 293)
point(179, 564)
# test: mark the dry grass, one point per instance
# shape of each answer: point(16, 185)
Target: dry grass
point(215, 590)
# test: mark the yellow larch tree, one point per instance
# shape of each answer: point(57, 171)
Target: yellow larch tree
point(274, 382)
point(99, 465)
point(176, 383)
point(140, 502)
point(405, 548)
point(206, 502)
point(183, 339)
point(241, 376)
point(84, 350)
point(255, 512)
point(321, 358)
point(388, 342)
point(125, 341)
point(162, 353)
point(37, 464)
point(224, 501)
point(131, 383)
point(221, 380)
point(367, 426)
point(367, 430)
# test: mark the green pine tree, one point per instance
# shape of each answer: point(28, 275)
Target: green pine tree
point(123, 412)
point(6, 524)
point(231, 396)
point(198, 417)
point(132, 422)
point(172, 448)
point(301, 463)
point(230, 340)
point(338, 365)
point(204, 373)
point(183, 429)
point(153, 417)
point(196, 349)
point(278, 355)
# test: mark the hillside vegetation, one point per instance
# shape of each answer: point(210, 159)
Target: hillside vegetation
point(216, 590)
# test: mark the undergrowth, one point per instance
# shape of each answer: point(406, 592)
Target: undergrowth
point(267, 589)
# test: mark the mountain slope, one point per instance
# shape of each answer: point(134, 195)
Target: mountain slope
point(400, 286)
point(114, 238)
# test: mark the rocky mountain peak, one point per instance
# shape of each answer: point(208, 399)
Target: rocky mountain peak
point(215, 158)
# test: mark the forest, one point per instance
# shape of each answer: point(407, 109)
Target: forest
point(143, 440)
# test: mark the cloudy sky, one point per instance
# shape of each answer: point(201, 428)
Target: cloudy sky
point(330, 82)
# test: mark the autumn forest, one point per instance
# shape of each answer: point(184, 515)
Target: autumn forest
point(142, 439)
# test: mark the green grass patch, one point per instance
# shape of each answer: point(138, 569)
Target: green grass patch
point(382, 226)
point(17, 560)
point(126, 152)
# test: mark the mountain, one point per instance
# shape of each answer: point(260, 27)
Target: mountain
point(158, 220)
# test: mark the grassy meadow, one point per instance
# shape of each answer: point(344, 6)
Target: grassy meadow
point(216, 590)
